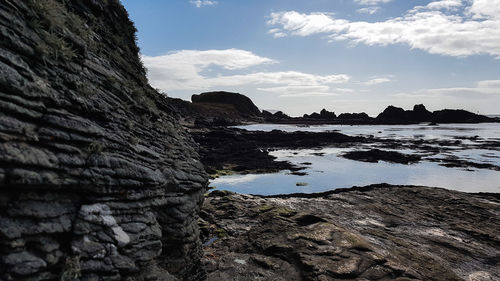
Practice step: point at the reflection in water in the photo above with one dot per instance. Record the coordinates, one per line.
(446, 131)
(329, 171)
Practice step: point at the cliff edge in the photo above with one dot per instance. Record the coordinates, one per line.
(97, 179)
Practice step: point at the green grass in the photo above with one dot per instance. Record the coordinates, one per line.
(51, 19)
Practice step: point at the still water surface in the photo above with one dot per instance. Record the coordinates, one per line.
(328, 171)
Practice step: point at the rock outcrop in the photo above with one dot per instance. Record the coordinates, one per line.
(273, 117)
(354, 116)
(452, 115)
(97, 179)
(397, 115)
(323, 114)
(378, 232)
(241, 103)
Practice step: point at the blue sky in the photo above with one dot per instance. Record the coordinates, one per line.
(345, 55)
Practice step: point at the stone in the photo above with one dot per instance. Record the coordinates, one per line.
(23, 263)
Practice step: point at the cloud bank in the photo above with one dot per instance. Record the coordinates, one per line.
(191, 70)
(450, 27)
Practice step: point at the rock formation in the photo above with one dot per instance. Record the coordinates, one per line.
(397, 115)
(241, 103)
(354, 116)
(323, 114)
(378, 232)
(97, 179)
(452, 115)
(273, 117)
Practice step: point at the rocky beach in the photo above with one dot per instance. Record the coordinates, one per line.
(378, 232)
(102, 177)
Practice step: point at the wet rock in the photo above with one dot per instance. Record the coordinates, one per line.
(375, 155)
(246, 151)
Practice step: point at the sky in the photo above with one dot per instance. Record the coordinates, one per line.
(302, 56)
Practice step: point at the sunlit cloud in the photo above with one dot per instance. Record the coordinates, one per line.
(187, 70)
(438, 28)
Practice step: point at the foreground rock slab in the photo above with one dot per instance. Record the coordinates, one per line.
(378, 232)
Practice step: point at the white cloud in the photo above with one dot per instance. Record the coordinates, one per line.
(306, 91)
(309, 94)
(276, 32)
(485, 9)
(201, 3)
(295, 23)
(444, 4)
(371, 2)
(482, 88)
(368, 10)
(378, 80)
(186, 70)
(489, 84)
(475, 30)
(485, 87)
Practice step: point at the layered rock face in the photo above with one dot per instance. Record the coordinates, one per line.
(97, 179)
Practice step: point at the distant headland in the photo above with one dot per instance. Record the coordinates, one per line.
(226, 108)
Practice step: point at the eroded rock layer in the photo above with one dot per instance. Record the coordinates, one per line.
(97, 179)
(378, 232)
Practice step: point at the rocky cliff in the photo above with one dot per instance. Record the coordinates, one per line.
(97, 179)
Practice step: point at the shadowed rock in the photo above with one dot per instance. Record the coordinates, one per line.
(241, 103)
(396, 115)
(97, 179)
(375, 155)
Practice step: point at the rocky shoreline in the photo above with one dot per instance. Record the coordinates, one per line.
(99, 180)
(378, 232)
(225, 150)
